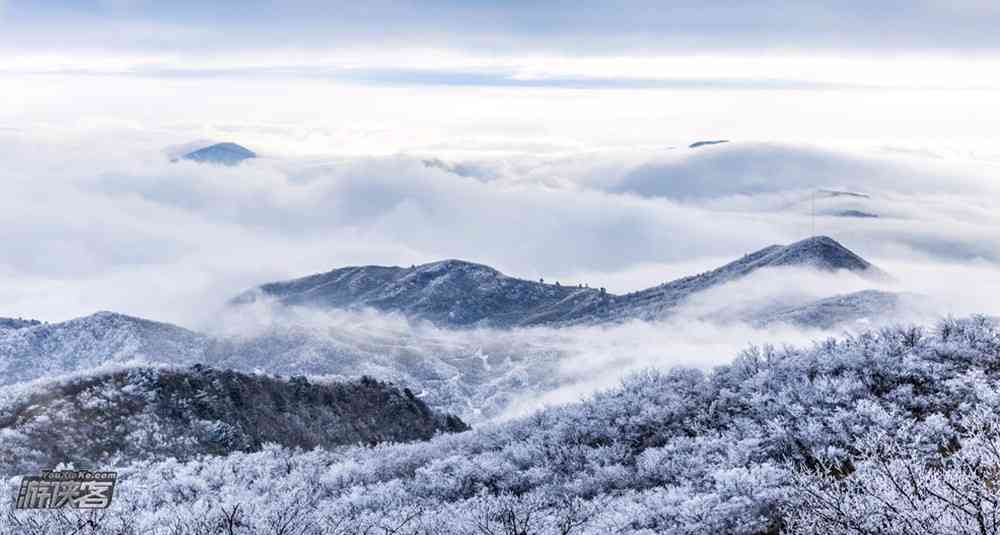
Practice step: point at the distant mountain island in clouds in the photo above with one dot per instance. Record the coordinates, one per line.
(855, 213)
(455, 293)
(697, 144)
(221, 153)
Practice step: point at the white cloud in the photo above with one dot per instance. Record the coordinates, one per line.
(112, 224)
(596, 28)
(94, 217)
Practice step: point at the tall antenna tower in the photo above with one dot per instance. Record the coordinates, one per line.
(813, 233)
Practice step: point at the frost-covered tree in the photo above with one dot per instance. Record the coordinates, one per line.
(889, 488)
(735, 450)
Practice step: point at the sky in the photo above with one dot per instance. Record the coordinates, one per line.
(314, 78)
(668, 45)
(558, 134)
(573, 28)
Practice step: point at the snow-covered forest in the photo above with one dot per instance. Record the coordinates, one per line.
(889, 431)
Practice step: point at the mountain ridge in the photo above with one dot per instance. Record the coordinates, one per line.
(458, 293)
(17, 323)
(450, 292)
(473, 377)
(825, 313)
(486, 371)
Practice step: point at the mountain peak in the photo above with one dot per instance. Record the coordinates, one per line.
(448, 292)
(453, 265)
(697, 144)
(817, 252)
(821, 252)
(227, 153)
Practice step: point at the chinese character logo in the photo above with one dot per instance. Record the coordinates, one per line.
(77, 489)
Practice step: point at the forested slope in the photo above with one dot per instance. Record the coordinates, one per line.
(114, 418)
(669, 452)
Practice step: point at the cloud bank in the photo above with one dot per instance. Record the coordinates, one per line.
(89, 227)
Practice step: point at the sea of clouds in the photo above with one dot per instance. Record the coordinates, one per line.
(577, 186)
(98, 225)
(133, 232)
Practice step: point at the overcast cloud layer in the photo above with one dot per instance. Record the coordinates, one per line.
(573, 27)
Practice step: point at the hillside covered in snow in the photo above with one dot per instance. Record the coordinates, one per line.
(120, 416)
(680, 451)
(481, 350)
(461, 294)
(475, 377)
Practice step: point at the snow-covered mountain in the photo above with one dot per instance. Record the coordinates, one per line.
(682, 451)
(45, 350)
(863, 306)
(820, 253)
(154, 413)
(850, 212)
(475, 373)
(221, 153)
(451, 292)
(697, 144)
(454, 293)
(474, 378)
